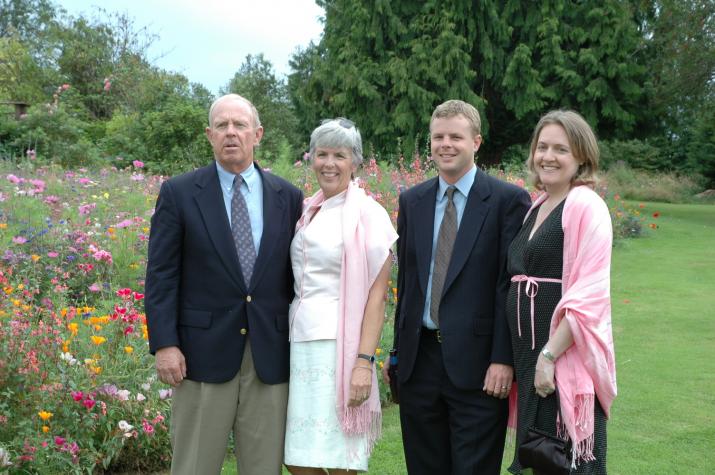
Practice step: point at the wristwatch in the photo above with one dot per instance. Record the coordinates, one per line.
(548, 355)
(370, 358)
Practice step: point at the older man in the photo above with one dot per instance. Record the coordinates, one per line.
(218, 287)
(451, 332)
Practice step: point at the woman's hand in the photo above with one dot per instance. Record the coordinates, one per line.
(360, 385)
(544, 376)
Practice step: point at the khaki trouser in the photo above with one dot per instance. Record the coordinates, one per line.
(203, 415)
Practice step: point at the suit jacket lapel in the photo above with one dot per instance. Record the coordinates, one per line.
(475, 212)
(273, 221)
(423, 229)
(209, 199)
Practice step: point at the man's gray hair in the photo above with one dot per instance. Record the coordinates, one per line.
(337, 133)
(235, 97)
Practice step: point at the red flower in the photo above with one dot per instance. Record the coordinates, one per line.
(656, 214)
(138, 296)
(89, 403)
(59, 440)
(77, 395)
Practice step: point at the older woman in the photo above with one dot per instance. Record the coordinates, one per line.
(558, 307)
(341, 264)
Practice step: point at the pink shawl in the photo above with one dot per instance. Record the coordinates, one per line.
(368, 236)
(588, 367)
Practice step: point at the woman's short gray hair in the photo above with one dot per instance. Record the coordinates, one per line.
(337, 133)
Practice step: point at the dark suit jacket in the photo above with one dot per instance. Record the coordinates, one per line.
(196, 297)
(473, 306)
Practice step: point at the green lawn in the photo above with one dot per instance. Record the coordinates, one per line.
(663, 289)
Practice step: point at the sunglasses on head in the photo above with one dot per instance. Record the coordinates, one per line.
(342, 121)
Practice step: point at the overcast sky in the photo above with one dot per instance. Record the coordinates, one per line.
(207, 40)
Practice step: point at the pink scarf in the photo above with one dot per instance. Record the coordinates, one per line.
(368, 236)
(588, 367)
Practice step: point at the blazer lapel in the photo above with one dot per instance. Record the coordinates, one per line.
(209, 199)
(475, 212)
(273, 221)
(423, 230)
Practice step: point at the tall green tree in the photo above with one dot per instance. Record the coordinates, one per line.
(257, 81)
(388, 63)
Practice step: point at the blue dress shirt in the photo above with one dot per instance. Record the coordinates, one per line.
(252, 191)
(463, 186)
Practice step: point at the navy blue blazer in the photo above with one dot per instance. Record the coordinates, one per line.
(473, 306)
(196, 297)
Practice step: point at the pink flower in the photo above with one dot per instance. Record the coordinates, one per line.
(14, 180)
(52, 254)
(89, 403)
(84, 181)
(138, 164)
(164, 394)
(148, 428)
(123, 394)
(95, 287)
(77, 395)
(123, 224)
(59, 440)
(19, 240)
(65, 87)
(129, 330)
(137, 177)
(51, 199)
(86, 209)
(141, 397)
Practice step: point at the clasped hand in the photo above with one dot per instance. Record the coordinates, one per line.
(544, 377)
(360, 385)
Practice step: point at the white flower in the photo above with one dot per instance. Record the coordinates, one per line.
(124, 426)
(4, 458)
(123, 394)
(68, 358)
(140, 397)
(146, 386)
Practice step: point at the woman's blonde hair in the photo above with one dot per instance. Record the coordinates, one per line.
(582, 142)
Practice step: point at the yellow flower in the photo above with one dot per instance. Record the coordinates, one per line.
(3, 225)
(98, 340)
(378, 351)
(20, 286)
(145, 229)
(381, 364)
(16, 302)
(128, 350)
(133, 266)
(96, 369)
(8, 290)
(73, 328)
(88, 361)
(35, 258)
(44, 415)
(106, 195)
(45, 429)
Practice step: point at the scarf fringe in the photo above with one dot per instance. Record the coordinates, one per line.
(581, 451)
(358, 421)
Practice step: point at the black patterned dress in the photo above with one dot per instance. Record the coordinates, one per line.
(541, 256)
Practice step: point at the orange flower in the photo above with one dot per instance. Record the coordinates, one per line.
(45, 429)
(3, 225)
(66, 346)
(128, 350)
(73, 328)
(96, 369)
(97, 340)
(35, 258)
(44, 415)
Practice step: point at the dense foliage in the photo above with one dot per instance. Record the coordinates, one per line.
(641, 71)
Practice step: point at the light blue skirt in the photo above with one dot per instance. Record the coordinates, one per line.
(314, 437)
